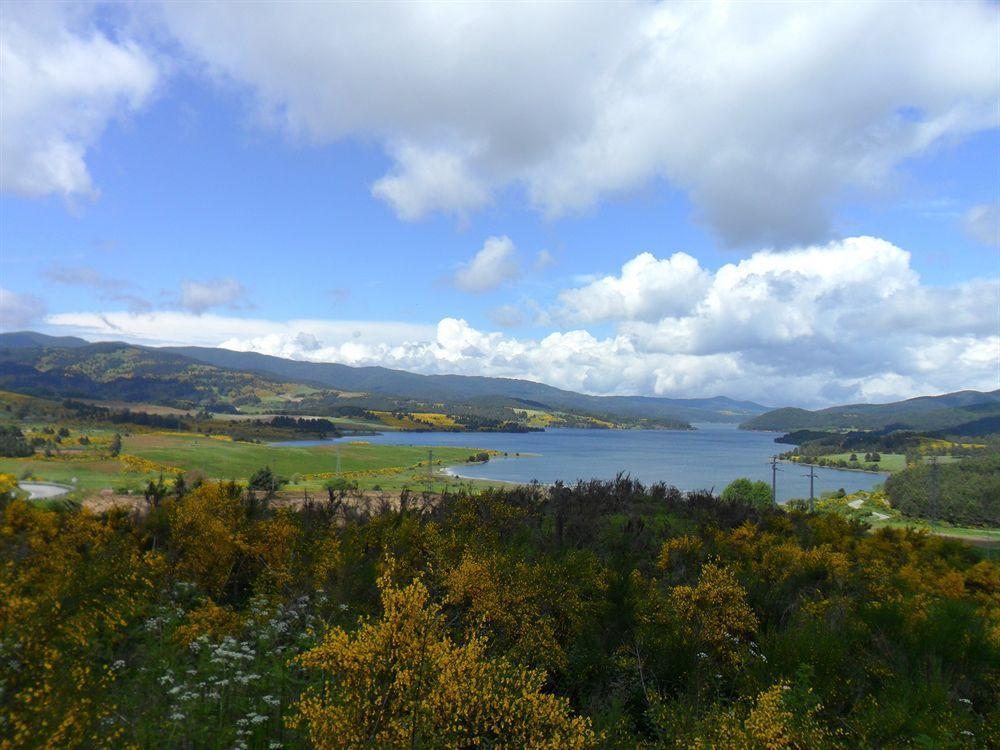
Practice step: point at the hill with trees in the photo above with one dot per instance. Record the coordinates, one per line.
(941, 413)
(34, 363)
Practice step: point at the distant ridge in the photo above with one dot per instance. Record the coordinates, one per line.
(391, 383)
(29, 339)
(385, 381)
(948, 410)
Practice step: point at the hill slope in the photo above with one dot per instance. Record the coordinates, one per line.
(128, 373)
(385, 382)
(922, 413)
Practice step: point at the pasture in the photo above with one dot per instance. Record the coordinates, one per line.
(145, 456)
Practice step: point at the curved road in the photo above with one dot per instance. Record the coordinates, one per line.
(43, 490)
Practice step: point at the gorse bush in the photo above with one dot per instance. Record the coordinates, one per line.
(602, 615)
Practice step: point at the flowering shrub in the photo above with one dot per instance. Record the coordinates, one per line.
(605, 614)
(427, 689)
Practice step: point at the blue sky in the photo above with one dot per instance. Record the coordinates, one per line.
(165, 182)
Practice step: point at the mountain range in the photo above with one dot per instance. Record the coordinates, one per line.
(42, 365)
(191, 376)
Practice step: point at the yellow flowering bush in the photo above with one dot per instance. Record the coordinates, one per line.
(715, 612)
(400, 680)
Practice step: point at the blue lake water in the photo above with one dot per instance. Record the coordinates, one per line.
(706, 458)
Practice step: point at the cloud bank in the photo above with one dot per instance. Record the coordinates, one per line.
(845, 321)
(762, 113)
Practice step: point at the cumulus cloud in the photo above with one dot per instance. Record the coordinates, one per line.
(63, 81)
(199, 296)
(982, 223)
(845, 321)
(427, 180)
(646, 289)
(764, 114)
(19, 310)
(494, 263)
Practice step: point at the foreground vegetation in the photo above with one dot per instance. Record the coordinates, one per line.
(603, 615)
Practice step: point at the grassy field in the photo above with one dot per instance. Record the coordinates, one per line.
(889, 461)
(384, 466)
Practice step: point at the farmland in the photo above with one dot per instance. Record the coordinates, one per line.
(146, 456)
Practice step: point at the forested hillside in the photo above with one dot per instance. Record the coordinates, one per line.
(924, 413)
(385, 383)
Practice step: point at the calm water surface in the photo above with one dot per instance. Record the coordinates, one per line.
(706, 458)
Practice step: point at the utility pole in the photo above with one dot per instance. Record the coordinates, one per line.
(774, 480)
(812, 493)
(430, 464)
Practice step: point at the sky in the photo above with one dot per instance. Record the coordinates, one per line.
(793, 203)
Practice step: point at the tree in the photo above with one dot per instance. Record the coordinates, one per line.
(747, 492)
(401, 681)
(116, 444)
(267, 482)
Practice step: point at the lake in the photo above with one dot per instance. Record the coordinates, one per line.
(706, 458)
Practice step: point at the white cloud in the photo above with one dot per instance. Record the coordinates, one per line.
(982, 223)
(493, 264)
(426, 181)
(19, 310)
(321, 339)
(817, 325)
(63, 81)
(647, 289)
(763, 113)
(198, 296)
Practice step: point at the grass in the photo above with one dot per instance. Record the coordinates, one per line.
(385, 466)
(986, 539)
(889, 461)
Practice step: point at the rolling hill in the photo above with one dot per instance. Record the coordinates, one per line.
(470, 388)
(942, 412)
(190, 376)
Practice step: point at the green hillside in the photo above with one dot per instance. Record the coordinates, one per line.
(924, 413)
(70, 364)
(127, 373)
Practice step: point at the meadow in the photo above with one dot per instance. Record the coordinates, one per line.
(145, 456)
